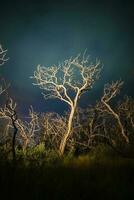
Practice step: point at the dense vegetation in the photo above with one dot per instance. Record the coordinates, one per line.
(100, 174)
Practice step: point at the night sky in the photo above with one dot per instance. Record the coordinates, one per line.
(46, 32)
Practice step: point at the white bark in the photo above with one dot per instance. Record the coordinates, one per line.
(110, 91)
(116, 116)
(76, 75)
(68, 133)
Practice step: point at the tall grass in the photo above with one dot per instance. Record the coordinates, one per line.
(44, 175)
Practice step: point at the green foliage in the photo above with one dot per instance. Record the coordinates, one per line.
(38, 155)
(67, 158)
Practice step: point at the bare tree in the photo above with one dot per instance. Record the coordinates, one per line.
(53, 127)
(110, 91)
(126, 111)
(3, 53)
(9, 112)
(67, 82)
(3, 59)
(3, 85)
(90, 128)
(28, 128)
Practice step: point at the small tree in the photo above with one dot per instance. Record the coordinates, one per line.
(67, 82)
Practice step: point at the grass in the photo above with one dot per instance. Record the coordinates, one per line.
(100, 174)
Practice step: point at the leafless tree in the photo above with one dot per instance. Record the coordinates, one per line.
(3, 59)
(9, 112)
(110, 91)
(3, 53)
(53, 128)
(75, 75)
(28, 129)
(90, 128)
(126, 111)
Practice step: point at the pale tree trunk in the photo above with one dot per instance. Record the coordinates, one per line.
(68, 133)
(69, 126)
(116, 116)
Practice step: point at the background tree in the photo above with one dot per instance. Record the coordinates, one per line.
(53, 126)
(3, 59)
(3, 53)
(125, 109)
(110, 91)
(9, 112)
(28, 129)
(67, 82)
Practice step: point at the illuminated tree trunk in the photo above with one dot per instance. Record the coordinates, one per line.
(68, 133)
(69, 126)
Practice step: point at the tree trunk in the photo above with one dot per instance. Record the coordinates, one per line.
(116, 116)
(67, 134)
(14, 140)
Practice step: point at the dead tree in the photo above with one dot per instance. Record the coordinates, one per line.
(3, 53)
(110, 91)
(3, 59)
(9, 112)
(75, 75)
(90, 128)
(27, 129)
(126, 111)
(3, 86)
(53, 127)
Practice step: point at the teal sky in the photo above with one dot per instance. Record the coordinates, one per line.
(46, 32)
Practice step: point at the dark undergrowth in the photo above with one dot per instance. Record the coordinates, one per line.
(99, 174)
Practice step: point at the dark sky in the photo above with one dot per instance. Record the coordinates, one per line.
(46, 32)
